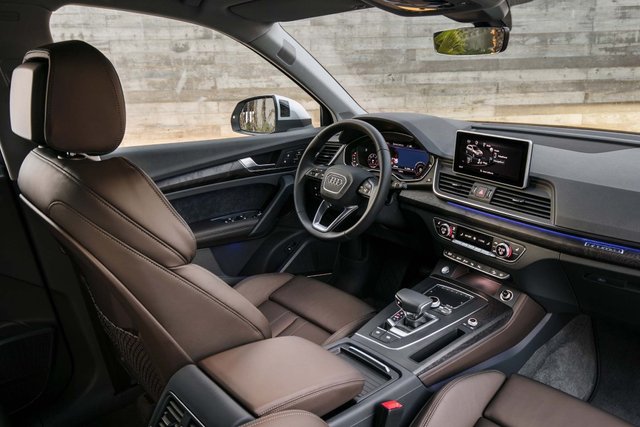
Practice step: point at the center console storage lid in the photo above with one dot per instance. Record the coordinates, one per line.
(284, 373)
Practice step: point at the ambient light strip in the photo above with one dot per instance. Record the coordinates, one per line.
(586, 242)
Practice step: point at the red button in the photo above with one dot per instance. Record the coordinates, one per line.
(481, 192)
(390, 405)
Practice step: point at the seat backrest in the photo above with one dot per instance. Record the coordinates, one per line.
(132, 248)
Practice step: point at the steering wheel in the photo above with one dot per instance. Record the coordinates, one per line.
(345, 190)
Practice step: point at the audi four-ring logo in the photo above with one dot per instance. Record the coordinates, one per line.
(334, 182)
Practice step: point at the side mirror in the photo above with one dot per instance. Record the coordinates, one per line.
(268, 114)
(471, 41)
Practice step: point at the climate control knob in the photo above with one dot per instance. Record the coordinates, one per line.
(504, 250)
(445, 230)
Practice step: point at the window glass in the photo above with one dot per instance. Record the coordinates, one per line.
(569, 62)
(181, 81)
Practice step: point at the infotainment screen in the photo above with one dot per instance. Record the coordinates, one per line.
(495, 158)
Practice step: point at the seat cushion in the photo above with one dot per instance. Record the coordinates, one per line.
(489, 399)
(283, 373)
(304, 307)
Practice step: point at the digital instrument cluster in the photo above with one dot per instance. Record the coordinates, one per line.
(409, 161)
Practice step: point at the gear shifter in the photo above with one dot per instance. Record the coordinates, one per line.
(414, 305)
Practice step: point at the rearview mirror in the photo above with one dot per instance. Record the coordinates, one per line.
(471, 41)
(268, 114)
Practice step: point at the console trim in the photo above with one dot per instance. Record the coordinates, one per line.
(456, 324)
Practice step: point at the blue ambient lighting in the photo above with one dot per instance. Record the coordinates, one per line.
(585, 242)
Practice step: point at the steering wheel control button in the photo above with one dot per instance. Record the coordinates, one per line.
(506, 295)
(472, 322)
(498, 274)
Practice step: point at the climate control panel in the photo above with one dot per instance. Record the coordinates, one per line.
(483, 243)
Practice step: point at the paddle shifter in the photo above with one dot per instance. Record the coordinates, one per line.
(414, 306)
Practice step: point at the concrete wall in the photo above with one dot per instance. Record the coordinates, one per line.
(571, 62)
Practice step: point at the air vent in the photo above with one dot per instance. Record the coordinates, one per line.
(454, 184)
(520, 201)
(175, 414)
(328, 153)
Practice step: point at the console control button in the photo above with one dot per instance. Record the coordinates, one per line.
(445, 230)
(444, 310)
(473, 322)
(377, 333)
(398, 316)
(506, 295)
(387, 338)
(435, 302)
(476, 265)
(504, 250)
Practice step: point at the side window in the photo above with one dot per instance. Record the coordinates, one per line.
(181, 81)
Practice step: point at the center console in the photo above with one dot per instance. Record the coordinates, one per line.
(454, 320)
(442, 326)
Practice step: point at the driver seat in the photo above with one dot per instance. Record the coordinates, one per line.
(132, 249)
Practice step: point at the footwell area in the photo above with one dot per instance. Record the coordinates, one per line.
(618, 387)
(567, 361)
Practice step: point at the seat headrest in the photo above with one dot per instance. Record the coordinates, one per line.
(68, 97)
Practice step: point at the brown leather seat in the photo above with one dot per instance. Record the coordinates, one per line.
(486, 399)
(133, 249)
(490, 399)
(325, 314)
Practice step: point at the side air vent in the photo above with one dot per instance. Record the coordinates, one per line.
(328, 153)
(454, 184)
(522, 202)
(175, 414)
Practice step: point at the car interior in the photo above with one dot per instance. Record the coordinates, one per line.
(298, 260)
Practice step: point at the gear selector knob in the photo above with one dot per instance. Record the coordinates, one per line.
(413, 303)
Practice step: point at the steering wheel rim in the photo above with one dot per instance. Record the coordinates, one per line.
(355, 178)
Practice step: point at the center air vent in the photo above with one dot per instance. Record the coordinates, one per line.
(454, 184)
(533, 203)
(175, 414)
(328, 153)
(522, 202)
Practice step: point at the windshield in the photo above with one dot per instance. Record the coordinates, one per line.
(569, 63)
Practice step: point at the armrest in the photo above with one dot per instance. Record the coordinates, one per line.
(284, 373)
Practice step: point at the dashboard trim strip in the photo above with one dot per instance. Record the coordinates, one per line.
(586, 241)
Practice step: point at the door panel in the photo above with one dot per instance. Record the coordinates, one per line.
(236, 195)
(166, 161)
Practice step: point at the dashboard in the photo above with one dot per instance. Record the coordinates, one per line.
(551, 210)
(409, 160)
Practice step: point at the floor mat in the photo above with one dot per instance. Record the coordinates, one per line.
(567, 361)
(618, 389)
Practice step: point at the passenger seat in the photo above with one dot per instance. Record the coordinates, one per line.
(486, 399)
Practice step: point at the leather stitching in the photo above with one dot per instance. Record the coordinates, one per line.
(163, 199)
(162, 269)
(298, 399)
(348, 327)
(100, 199)
(437, 400)
(277, 416)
